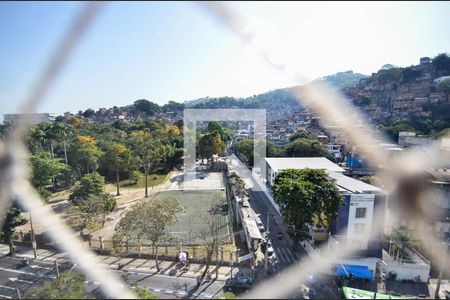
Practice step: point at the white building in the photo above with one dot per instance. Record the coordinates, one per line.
(334, 150)
(277, 164)
(439, 79)
(36, 118)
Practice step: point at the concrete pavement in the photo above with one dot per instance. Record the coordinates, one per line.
(171, 281)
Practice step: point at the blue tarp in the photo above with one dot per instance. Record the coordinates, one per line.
(356, 271)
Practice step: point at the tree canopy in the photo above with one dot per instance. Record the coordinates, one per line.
(149, 221)
(245, 149)
(306, 195)
(441, 62)
(118, 158)
(66, 286)
(302, 147)
(12, 219)
(92, 210)
(148, 107)
(210, 144)
(444, 86)
(90, 185)
(298, 134)
(45, 171)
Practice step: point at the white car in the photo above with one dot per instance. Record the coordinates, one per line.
(269, 248)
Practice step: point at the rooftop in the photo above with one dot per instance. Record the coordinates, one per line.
(346, 183)
(281, 163)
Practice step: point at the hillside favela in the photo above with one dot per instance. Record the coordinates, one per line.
(224, 150)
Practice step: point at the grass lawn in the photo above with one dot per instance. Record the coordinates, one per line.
(153, 179)
(191, 221)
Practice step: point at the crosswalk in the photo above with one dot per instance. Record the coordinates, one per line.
(284, 256)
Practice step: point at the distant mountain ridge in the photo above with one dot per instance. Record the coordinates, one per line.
(276, 101)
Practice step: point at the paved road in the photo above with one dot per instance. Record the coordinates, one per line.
(262, 206)
(25, 279)
(284, 252)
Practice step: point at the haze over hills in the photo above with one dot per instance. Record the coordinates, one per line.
(276, 100)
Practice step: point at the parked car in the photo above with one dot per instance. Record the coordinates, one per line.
(269, 248)
(267, 244)
(238, 282)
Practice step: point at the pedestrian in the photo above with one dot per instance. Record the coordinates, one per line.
(199, 281)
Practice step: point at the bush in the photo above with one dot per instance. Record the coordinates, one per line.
(444, 86)
(90, 185)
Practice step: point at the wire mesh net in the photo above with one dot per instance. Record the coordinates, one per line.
(400, 172)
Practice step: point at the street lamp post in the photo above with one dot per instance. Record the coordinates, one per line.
(33, 238)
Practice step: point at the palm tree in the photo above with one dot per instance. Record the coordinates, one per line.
(50, 136)
(62, 130)
(37, 138)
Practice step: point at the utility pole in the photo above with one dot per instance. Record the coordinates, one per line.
(441, 272)
(231, 265)
(56, 268)
(253, 267)
(267, 246)
(33, 239)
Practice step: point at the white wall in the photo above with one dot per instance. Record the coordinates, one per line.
(356, 201)
(408, 271)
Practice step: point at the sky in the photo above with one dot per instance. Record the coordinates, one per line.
(177, 51)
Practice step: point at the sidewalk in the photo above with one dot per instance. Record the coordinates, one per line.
(131, 265)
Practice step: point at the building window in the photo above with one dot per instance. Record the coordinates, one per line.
(360, 212)
(359, 228)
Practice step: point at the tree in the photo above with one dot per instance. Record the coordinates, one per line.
(50, 137)
(442, 63)
(444, 86)
(306, 195)
(210, 144)
(214, 127)
(245, 149)
(62, 130)
(305, 148)
(5, 128)
(66, 286)
(147, 220)
(393, 130)
(118, 158)
(400, 238)
(298, 134)
(210, 232)
(88, 113)
(148, 107)
(12, 219)
(85, 154)
(409, 74)
(93, 209)
(90, 185)
(148, 152)
(36, 139)
(391, 75)
(45, 171)
(143, 293)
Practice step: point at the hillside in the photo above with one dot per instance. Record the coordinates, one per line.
(343, 80)
(276, 102)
